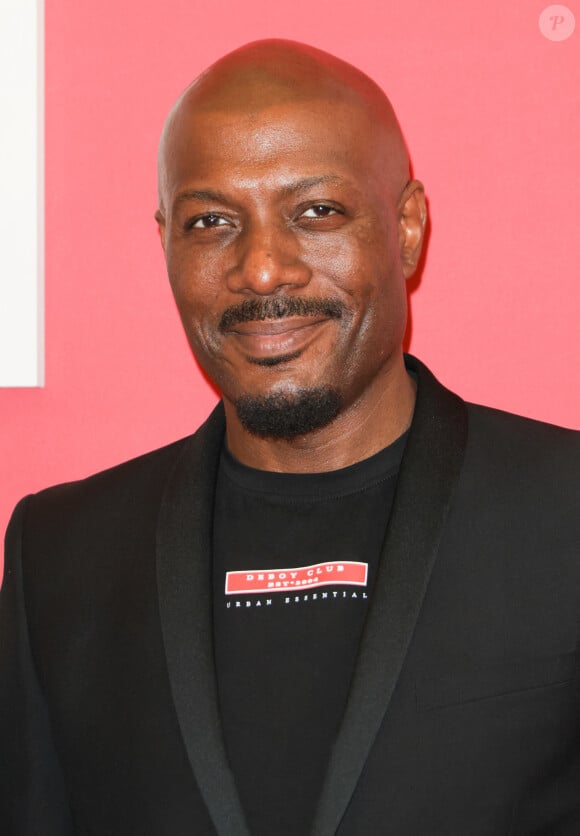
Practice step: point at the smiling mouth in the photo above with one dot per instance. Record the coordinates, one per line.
(272, 341)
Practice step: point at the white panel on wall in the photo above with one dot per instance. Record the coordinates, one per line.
(21, 193)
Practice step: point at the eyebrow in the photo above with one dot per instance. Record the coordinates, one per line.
(308, 182)
(301, 185)
(201, 194)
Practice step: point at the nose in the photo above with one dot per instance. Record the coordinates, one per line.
(267, 259)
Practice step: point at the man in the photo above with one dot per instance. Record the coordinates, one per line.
(349, 603)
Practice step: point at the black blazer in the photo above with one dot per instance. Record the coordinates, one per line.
(464, 713)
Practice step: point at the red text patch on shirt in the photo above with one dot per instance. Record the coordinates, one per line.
(334, 572)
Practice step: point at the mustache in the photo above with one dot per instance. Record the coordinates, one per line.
(257, 310)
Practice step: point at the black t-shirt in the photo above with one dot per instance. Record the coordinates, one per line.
(295, 558)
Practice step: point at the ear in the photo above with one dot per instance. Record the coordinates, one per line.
(412, 221)
(160, 218)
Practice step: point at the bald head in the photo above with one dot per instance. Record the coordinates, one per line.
(289, 226)
(275, 73)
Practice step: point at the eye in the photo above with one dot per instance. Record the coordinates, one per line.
(320, 210)
(209, 221)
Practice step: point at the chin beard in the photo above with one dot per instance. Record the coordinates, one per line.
(288, 416)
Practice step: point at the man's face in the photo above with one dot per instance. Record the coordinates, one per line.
(281, 240)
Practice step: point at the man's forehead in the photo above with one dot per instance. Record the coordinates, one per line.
(288, 78)
(284, 150)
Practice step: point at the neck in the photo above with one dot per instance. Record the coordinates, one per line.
(376, 419)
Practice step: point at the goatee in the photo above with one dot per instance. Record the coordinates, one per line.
(287, 416)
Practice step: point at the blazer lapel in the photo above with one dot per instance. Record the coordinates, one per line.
(184, 537)
(429, 471)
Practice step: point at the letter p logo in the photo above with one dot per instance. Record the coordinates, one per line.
(557, 23)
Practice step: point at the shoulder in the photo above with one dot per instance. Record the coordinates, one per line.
(125, 496)
(90, 526)
(138, 477)
(521, 476)
(496, 441)
(522, 442)
(85, 538)
(523, 472)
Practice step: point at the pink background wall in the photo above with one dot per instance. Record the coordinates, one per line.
(490, 109)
